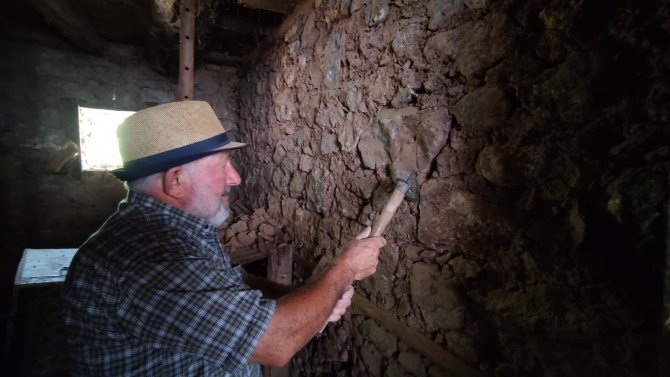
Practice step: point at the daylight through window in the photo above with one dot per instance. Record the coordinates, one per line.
(97, 138)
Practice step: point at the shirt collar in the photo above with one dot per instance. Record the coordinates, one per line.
(181, 218)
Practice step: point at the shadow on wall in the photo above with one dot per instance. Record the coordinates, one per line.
(44, 206)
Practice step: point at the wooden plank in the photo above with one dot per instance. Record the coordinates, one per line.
(431, 350)
(302, 9)
(280, 270)
(43, 266)
(277, 6)
(186, 49)
(280, 265)
(246, 255)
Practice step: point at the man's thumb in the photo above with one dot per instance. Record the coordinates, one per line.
(364, 234)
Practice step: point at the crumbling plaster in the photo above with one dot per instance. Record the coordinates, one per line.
(539, 135)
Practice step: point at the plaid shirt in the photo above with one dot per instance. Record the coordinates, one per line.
(152, 293)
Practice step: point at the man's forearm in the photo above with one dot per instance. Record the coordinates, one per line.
(300, 315)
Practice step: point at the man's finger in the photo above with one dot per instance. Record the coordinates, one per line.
(364, 234)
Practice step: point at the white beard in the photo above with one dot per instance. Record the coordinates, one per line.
(208, 207)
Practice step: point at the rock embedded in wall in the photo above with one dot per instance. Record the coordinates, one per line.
(483, 110)
(376, 12)
(412, 362)
(498, 166)
(474, 46)
(385, 342)
(372, 150)
(432, 135)
(440, 10)
(350, 132)
(404, 44)
(562, 93)
(435, 299)
(459, 156)
(399, 128)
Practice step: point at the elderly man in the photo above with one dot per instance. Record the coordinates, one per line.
(152, 292)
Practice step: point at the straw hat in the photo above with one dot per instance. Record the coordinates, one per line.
(161, 137)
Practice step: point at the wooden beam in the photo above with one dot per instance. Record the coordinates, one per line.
(280, 265)
(246, 255)
(426, 347)
(277, 6)
(280, 270)
(186, 49)
(303, 8)
(431, 350)
(71, 23)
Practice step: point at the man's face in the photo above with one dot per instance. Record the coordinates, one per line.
(211, 178)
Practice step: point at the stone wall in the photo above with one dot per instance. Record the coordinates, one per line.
(42, 81)
(539, 135)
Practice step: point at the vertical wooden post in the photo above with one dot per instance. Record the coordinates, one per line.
(186, 42)
(280, 270)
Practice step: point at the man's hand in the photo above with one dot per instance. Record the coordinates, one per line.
(300, 314)
(341, 305)
(361, 256)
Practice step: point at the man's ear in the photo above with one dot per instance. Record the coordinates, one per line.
(176, 182)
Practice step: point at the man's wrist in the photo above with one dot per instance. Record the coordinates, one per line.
(343, 273)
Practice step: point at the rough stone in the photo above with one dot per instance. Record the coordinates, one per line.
(386, 342)
(445, 215)
(433, 133)
(285, 108)
(402, 98)
(372, 151)
(376, 11)
(475, 46)
(279, 153)
(440, 10)
(306, 163)
(483, 110)
(364, 183)
(328, 144)
(400, 127)
(546, 96)
(348, 204)
(349, 134)
(413, 363)
(404, 42)
(464, 268)
(372, 360)
(296, 186)
(434, 299)
(498, 167)
(395, 370)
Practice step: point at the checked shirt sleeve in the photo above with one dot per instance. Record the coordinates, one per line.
(194, 305)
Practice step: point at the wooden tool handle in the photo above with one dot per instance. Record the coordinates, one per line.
(387, 213)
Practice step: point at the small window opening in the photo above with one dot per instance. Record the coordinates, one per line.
(98, 146)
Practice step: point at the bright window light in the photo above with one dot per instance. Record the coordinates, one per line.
(97, 138)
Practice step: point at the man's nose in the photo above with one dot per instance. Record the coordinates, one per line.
(233, 177)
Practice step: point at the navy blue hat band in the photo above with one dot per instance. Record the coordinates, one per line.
(159, 162)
